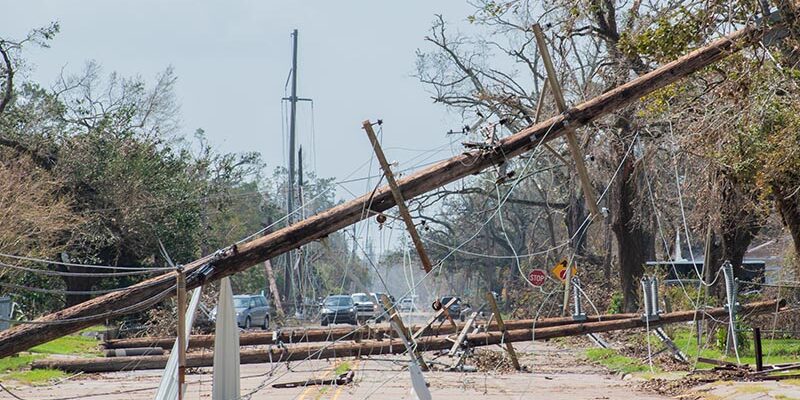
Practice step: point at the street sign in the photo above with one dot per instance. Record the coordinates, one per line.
(537, 277)
(560, 270)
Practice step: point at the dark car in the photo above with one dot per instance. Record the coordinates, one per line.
(251, 310)
(456, 310)
(338, 309)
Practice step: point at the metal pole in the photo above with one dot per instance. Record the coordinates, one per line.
(290, 181)
(300, 295)
(181, 284)
(757, 346)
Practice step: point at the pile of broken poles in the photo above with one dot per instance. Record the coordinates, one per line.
(367, 340)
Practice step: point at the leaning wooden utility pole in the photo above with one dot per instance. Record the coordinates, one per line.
(502, 328)
(398, 196)
(240, 257)
(569, 131)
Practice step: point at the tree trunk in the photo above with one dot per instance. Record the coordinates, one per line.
(634, 242)
(740, 221)
(273, 289)
(790, 215)
(576, 216)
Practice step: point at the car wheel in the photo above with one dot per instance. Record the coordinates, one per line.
(247, 323)
(462, 318)
(324, 322)
(266, 323)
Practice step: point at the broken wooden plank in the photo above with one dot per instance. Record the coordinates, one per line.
(240, 257)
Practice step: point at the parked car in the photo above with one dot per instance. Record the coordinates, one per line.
(366, 307)
(381, 309)
(338, 308)
(251, 310)
(456, 310)
(406, 304)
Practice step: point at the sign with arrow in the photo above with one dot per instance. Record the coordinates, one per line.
(560, 270)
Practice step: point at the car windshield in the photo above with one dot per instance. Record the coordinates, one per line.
(339, 301)
(241, 302)
(361, 298)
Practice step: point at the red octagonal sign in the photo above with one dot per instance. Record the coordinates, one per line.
(537, 277)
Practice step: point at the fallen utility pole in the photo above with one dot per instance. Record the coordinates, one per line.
(363, 332)
(237, 258)
(393, 346)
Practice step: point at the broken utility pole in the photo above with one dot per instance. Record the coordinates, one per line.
(363, 332)
(502, 327)
(398, 196)
(569, 131)
(393, 346)
(240, 257)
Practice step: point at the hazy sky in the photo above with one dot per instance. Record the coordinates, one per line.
(232, 59)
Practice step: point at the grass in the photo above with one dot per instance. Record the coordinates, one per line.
(16, 362)
(777, 351)
(342, 368)
(79, 345)
(17, 367)
(36, 376)
(616, 362)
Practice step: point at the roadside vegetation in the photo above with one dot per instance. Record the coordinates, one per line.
(18, 367)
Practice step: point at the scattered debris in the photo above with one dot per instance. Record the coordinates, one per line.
(489, 361)
(343, 379)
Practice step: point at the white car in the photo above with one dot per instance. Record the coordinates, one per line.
(406, 304)
(365, 307)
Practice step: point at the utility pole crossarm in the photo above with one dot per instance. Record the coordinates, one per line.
(398, 197)
(569, 131)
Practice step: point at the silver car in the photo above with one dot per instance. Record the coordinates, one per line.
(251, 310)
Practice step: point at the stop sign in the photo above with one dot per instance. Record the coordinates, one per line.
(537, 277)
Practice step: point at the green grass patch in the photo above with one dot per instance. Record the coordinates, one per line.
(776, 351)
(79, 345)
(17, 362)
(616, 362)
(342, 368)
(36, 376)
